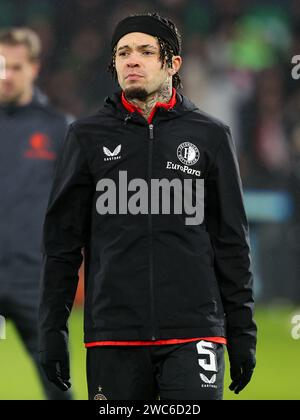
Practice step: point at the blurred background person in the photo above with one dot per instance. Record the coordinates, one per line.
(31, 132)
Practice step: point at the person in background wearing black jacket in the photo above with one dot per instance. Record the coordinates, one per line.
(30, 140)
(164, 293)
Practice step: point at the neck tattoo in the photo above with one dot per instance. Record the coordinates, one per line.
(164, 95)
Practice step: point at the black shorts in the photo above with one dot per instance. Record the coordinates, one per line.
(188, 371)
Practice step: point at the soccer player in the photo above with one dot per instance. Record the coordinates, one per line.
(30, 139)
(164, 292)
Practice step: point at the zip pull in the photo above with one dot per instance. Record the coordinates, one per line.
(151, 131)
(127, 118)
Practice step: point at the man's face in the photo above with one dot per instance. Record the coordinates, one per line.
(137, 64)
(20, 73)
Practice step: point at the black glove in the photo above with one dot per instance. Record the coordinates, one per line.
(55, 361)
(241, 370)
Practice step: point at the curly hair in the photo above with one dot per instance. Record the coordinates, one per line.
(165, 51)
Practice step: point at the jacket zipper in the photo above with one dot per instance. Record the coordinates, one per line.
(151, 138)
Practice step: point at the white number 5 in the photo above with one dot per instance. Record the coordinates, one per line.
(210, 361)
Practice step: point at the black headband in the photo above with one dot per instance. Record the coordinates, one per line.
(149, 25)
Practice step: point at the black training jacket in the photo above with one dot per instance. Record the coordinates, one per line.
(148, 276)
(30, 140)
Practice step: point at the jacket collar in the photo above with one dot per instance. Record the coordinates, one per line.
(114, 107)
(39, 99)
(133, 108)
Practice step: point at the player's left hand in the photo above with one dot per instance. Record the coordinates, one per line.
(241, 371)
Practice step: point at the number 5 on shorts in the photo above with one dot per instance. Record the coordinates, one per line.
(209, 362)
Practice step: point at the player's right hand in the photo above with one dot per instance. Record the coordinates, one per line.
(57, 369)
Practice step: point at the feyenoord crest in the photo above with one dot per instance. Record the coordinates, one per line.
(188, 153)
(100, 397)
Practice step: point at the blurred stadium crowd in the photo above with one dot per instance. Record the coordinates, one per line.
(236, 65)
